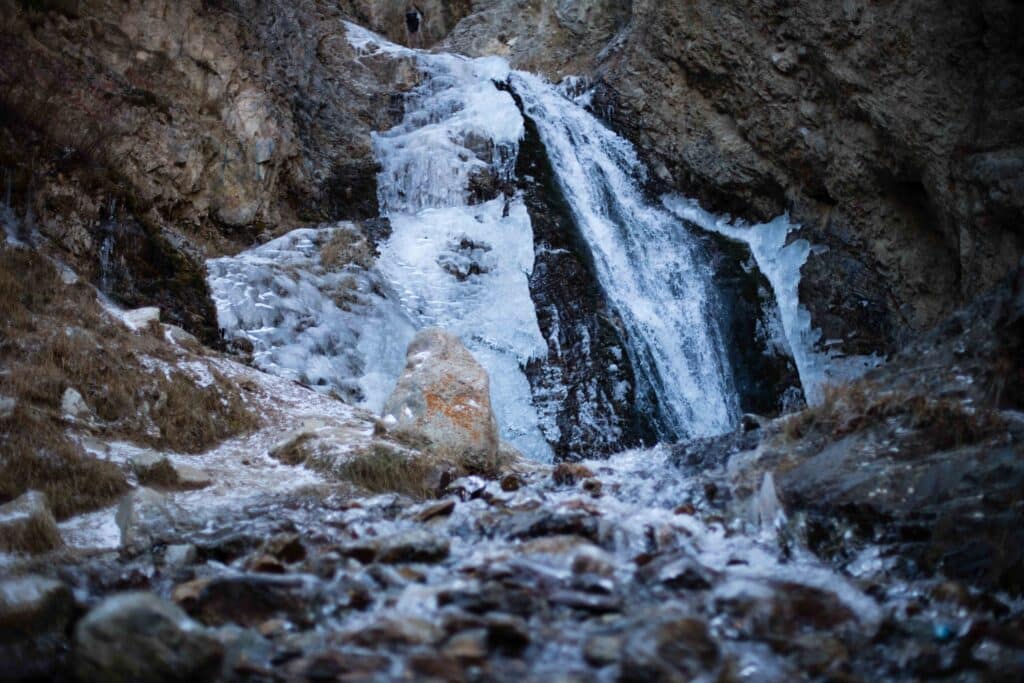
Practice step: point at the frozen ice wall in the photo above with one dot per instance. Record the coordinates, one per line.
(454, 264)
(781, 263)
(653, 272)
(333, 328)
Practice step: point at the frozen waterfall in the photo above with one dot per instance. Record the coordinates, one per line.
(461, 251)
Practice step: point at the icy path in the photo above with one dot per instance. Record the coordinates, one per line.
(240, 469)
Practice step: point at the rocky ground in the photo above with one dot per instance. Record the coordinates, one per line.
(173, 514)
(847, 542)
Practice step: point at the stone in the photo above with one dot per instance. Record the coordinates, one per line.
(27, 525)
(192, 477)
(34, 616)
(443, 394)
(141, 318)
(568, 474)
(249, 599)
(7, 405)
(144, 516)
(139, 638)
(671, 650)
(157, 470)
(431, 511)
(602, 650)
(412, 546)
(180, 555)
(73, 406)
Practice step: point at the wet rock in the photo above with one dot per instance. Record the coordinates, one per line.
(27, 525)
(468, 646)
(444, 395)
(34, 616)
(180, 555)
(248, 599)
(412, 546)
(511, 483)
(568, 474)
(602, 650)
(586, 601)
(394, 631)
(137, 638)
(417, 545)
(144, 516)
(669, 650)
(285, 546)
(436, 510)
(549, 523)
(677, 570)
(507, 633)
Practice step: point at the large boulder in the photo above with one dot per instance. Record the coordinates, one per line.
(444, 397)
(27, 525)
(140, 638)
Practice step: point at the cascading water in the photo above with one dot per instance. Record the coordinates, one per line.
(646, 261)
(461, 253)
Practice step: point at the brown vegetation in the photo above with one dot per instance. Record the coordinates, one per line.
(940, 423)
(380, 468)
(54, 336)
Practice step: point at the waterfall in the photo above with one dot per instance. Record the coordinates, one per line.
(647, 262)
(461, 252)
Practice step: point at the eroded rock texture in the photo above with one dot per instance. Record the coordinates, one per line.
(141, 138)
(893, 132)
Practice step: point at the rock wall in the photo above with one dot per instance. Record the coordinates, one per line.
(893, 132)
(205, 125)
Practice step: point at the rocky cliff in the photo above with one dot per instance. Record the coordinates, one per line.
(891, 131)
(139, 138)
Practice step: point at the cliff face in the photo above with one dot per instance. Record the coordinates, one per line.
(893, 132)
(170, 131)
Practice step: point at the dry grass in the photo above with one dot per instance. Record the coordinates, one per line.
(35, 453)
(384, 468)
(346, 246)
(939, 424)
(55, 336)
(33, 534)
(380, 469)
(161, 475)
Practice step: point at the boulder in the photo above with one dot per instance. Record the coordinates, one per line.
(156, 469)
(142, 515)
(73, 406)
(27, 525)
(138, 637)
(34, 616)
(444, 396)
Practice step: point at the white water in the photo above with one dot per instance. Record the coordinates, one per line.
(650, 267)
(781, 263)
(466, 267)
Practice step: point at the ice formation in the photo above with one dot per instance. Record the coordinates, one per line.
(652, 270)
(781, 261)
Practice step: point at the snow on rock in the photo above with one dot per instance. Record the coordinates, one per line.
(781, 260)
(239, 469)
